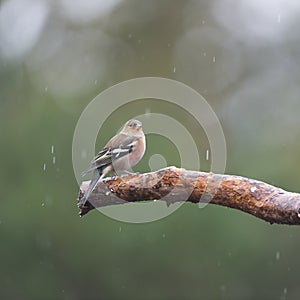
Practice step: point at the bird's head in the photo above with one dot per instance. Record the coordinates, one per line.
(133, 126)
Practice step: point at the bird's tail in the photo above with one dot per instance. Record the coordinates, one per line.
(90, 169)
(97, 175)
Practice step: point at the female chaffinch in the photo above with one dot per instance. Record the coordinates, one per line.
(122, 152)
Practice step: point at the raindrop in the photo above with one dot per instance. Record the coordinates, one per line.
(96, 81)
(174, 69)
(53, 160)
(43, 204)
(277, 255)
(253, 189)
(46, 89)
(120, 229)
(52, 149)
(107, 193)
(207, 155)
(214, 59)
(44, 167)
(164, 235)
(278, 18)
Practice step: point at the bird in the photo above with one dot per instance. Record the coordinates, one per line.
(122, 152)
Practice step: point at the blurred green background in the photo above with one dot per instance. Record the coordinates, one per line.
(56, 56)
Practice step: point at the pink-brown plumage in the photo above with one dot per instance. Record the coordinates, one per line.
(121, 153)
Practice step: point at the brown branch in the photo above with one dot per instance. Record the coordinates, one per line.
(172, 185)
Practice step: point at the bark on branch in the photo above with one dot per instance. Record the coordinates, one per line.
(172, 185)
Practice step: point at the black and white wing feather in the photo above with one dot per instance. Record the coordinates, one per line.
(112, 152)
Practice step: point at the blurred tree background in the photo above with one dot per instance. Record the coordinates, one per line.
(55, 57)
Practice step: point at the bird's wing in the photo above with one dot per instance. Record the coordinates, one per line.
(121, 140)
(117, 147)
(94, 165)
